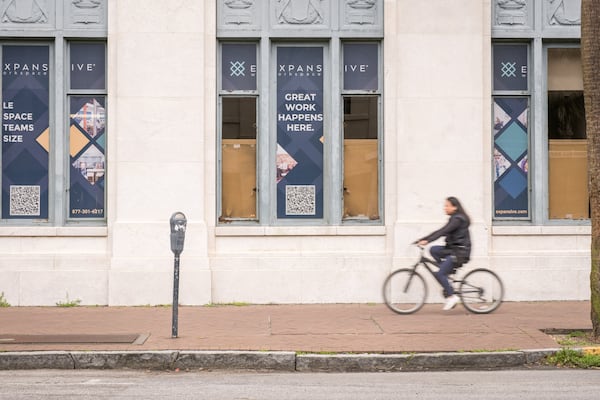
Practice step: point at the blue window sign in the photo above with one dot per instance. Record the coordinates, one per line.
(88, 66)
(361, 66)
(25, 132)
(511, 158)
(510, 67)
(299, 132)
(87, 143)
(238, 67)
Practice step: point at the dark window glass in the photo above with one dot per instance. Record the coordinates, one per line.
(238, 158)
(88, 66)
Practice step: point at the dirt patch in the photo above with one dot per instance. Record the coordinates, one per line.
(573, 337)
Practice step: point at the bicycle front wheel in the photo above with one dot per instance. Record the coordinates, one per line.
(481, 291)
(404, 291)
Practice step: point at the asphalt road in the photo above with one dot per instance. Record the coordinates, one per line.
(549, 384)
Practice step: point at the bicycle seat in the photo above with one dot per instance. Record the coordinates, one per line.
(456, 264)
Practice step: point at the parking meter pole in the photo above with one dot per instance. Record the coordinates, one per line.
(178, 226)
(174, 325)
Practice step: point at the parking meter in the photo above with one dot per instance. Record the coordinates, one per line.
(178, 225)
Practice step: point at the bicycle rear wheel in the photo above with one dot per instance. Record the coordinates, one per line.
(481, 291)
(404, 291)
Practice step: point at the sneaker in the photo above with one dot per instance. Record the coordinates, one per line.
(451, 302)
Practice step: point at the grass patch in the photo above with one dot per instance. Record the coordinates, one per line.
(574, 359)
(577, 338)
(234, 304)
(487, 351)
(3, 302)
(68, 303)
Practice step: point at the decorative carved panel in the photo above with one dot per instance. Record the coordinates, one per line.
(24, 12)
(563, 12)
(301, 12)
(299, 18)
(86, 12)
(238, 14)
(511, 13)
(361, 12)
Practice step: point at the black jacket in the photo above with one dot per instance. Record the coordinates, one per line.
(457, 236)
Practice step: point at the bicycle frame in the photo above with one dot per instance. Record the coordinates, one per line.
(428, 263)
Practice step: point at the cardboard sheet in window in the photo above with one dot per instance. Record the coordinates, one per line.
(568, 179)
(360, 179)
(238, 178)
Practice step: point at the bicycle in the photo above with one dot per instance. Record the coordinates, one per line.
(480, 290)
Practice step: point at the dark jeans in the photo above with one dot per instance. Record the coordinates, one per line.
(446, 263)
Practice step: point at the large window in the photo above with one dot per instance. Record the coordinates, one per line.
(361, 132)
(238, 132)
(510, 129)
(558, 188)
(36, 148)
(87, 131)
(567, 145)
(25, 132)
(299, 134)
(538, 125)
(291, 150)
(238, 158)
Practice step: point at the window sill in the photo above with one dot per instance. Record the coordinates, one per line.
(541, 230)
(300, 231)
(55, 231)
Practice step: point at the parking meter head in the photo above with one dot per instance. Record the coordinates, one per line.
(178, 226)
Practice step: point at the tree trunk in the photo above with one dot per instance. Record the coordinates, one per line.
(590, 53)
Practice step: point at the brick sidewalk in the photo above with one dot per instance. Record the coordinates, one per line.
(355, 328)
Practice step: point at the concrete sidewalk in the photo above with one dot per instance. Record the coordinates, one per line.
(328, 337)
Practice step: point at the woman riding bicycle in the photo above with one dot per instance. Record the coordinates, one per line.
(456, 251)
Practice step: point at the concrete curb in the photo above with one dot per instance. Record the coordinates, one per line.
(237, 360)
(36, 360)
(418, 361)
(269, 361)
(124, 359)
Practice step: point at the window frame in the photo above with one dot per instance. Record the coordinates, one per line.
(334, 94)
(510, 94)
(68, 94)
(538, 158)
(54, 105)
(219, 137)
(58, 122)
(536, 29)
(329, 183)
(545, 209)
(378, 93)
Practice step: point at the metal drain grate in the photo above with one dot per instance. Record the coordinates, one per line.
(131, 338)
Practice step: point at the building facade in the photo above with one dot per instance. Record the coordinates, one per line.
(308, 142)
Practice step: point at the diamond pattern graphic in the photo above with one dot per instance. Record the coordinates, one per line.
(500, 117)
(285, 163)
(77, 141)
(513, 141)
(510, 159)
(513, 182)
(91, 117)
(44, 139)
(26, 165)
(91, 165)
(101, 141)
(523, 118)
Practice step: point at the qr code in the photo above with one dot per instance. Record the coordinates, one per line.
(24, 200)
(300, 200)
